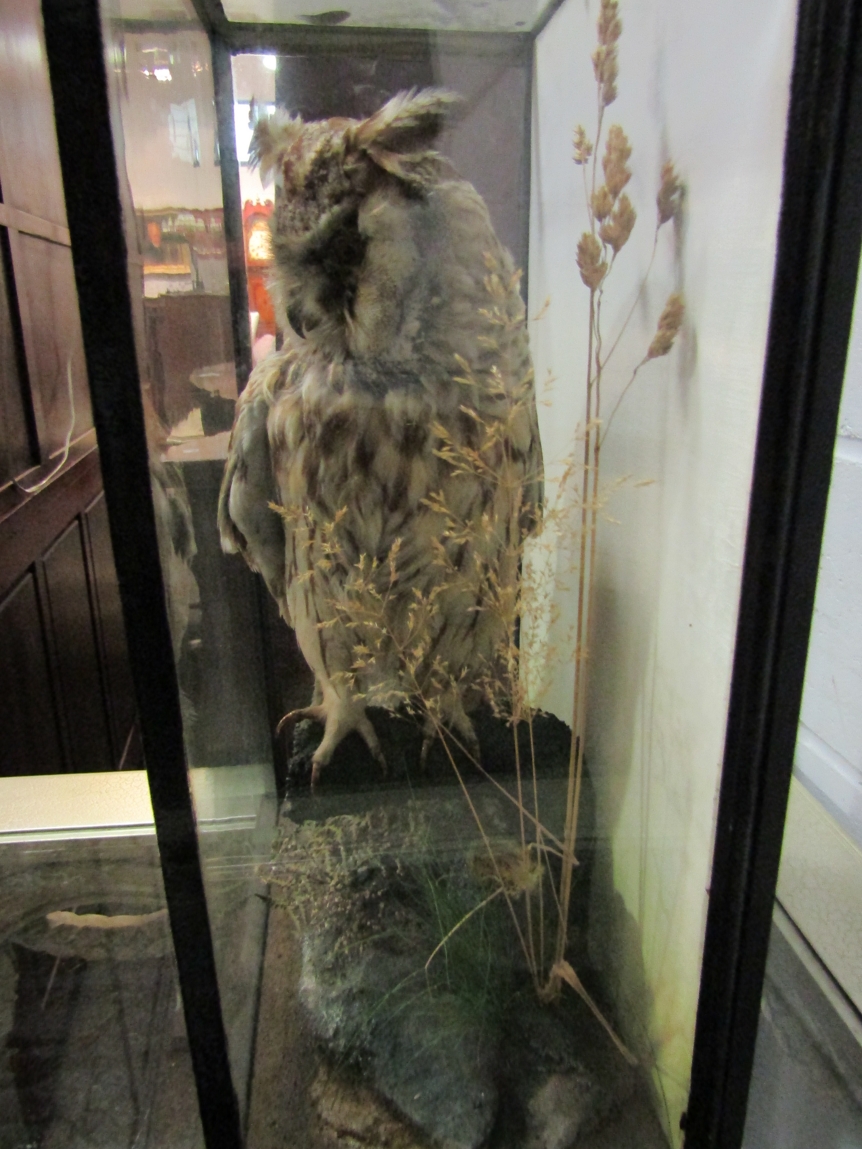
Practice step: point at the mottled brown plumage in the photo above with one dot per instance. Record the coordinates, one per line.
(411, 353)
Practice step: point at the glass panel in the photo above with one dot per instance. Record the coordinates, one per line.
(499, 939)
(829, 748)
(493, 467)
(807, 1085)
(806, 1088)
(671, 482)
(166, 137)
(91, 1027)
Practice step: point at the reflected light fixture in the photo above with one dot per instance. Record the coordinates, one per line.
(157, 62)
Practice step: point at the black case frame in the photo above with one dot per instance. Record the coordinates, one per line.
(819, 236)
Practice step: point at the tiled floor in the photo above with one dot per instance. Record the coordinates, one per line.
(806, 1092)
(94, 1052)
(99, 1031)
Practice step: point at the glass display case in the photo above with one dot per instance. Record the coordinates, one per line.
(93, 1034)
(465, 377)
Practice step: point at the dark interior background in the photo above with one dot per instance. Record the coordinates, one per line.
(487, 139)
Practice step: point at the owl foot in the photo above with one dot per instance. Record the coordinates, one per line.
(338, 719)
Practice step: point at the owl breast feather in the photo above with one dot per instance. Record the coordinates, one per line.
(353, 422)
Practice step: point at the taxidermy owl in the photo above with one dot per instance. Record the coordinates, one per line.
(385, 465)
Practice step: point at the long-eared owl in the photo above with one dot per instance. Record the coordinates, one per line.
(385, 465)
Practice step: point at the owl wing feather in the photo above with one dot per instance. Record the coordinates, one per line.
(247, 522)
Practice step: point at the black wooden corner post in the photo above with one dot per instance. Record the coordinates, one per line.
(812, 305)
(233, 225)
(81, 104)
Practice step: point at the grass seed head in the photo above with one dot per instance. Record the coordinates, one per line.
(616, 230)
(602, 203)
(670, 193)
(590, 263)
(669, 324)
(605, 61)
(609, 26)
(606, 71)
(616, 160)
(583, 145)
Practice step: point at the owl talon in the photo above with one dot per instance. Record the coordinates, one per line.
(427, 743)
(466, 734)
(314, 713)
(316, 767)
(473, 750)
(369, 736)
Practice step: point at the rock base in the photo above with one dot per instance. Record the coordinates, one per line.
(449, 1041)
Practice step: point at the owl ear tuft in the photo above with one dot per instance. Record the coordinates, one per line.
(397, 136)
(271, 140)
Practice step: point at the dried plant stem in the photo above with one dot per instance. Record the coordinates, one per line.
(622, 396)
(527, 900)
(514, 690)
(578, 703)
(601, 107)
(591, 568)
(611, 218)
(441, 734)
(539, 844)
(540, 828)
(564, 972)
(485, 902)
(633, 307)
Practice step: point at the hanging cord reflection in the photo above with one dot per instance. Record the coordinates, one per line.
(40, 486)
